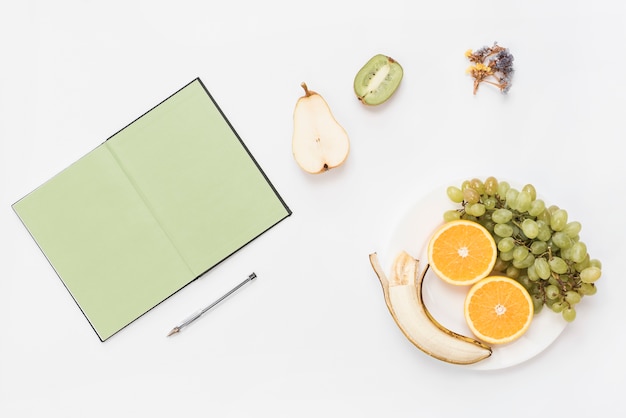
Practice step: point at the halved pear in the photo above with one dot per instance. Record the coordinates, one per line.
(319, 142)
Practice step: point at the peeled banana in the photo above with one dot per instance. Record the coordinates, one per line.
(403, 296)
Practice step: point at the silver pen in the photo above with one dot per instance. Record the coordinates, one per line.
(201, 312)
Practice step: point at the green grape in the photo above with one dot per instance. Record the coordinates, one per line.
(536, 207)
(545, 216)
(501, 265)
(587, 289)
(506, 255)
(503, 230)
(550, 302)
(552, 292)
(595, 263)
(523, 201)
(465, 184)
(470, 195)
(501, 216)
(562, 240)
(558, 265)
(477, 185)
(558, 306)
(569, 314)
(451, 215)
(583, 264)
(590, 274)
(532, 273)
(572, 229)
(475, 209)
(526, 262)
(511, 198)
(558, 220)
(530, 228)
(454, 194)
(491, 186)
(538, 247)
(490, 203)
(525, 281)
(578, 252)
(572, 297)
(503, 188)
(542, 268)
(531, 190)
(513, 272)
(506, 244)
(520, 252)
(566, 253)
(545, 233)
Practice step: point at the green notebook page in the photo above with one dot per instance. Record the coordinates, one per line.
(152, 208)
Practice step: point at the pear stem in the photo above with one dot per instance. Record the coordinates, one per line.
(307, 93)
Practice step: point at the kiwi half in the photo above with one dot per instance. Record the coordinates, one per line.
(377, 80)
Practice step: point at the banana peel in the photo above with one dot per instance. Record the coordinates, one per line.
(403, 296)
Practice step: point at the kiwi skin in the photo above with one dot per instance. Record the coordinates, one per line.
(377, 80)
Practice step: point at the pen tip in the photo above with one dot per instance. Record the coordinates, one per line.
(173, 331)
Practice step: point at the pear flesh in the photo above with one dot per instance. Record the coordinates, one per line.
(319, 142)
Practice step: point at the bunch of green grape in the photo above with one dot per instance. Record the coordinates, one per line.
(537, 245)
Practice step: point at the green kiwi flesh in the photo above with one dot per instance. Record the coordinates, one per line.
(377, 80)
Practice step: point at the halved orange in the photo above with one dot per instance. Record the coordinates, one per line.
(498, 310)
(462, 252)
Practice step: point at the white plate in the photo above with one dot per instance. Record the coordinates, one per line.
(445, 301)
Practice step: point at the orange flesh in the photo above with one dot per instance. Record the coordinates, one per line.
(498, 310)
(462, 253)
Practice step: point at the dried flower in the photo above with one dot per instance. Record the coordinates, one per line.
(492, 65)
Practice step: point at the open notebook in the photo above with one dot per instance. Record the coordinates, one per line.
(152, 208)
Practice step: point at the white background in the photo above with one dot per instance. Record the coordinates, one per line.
(312, 336)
